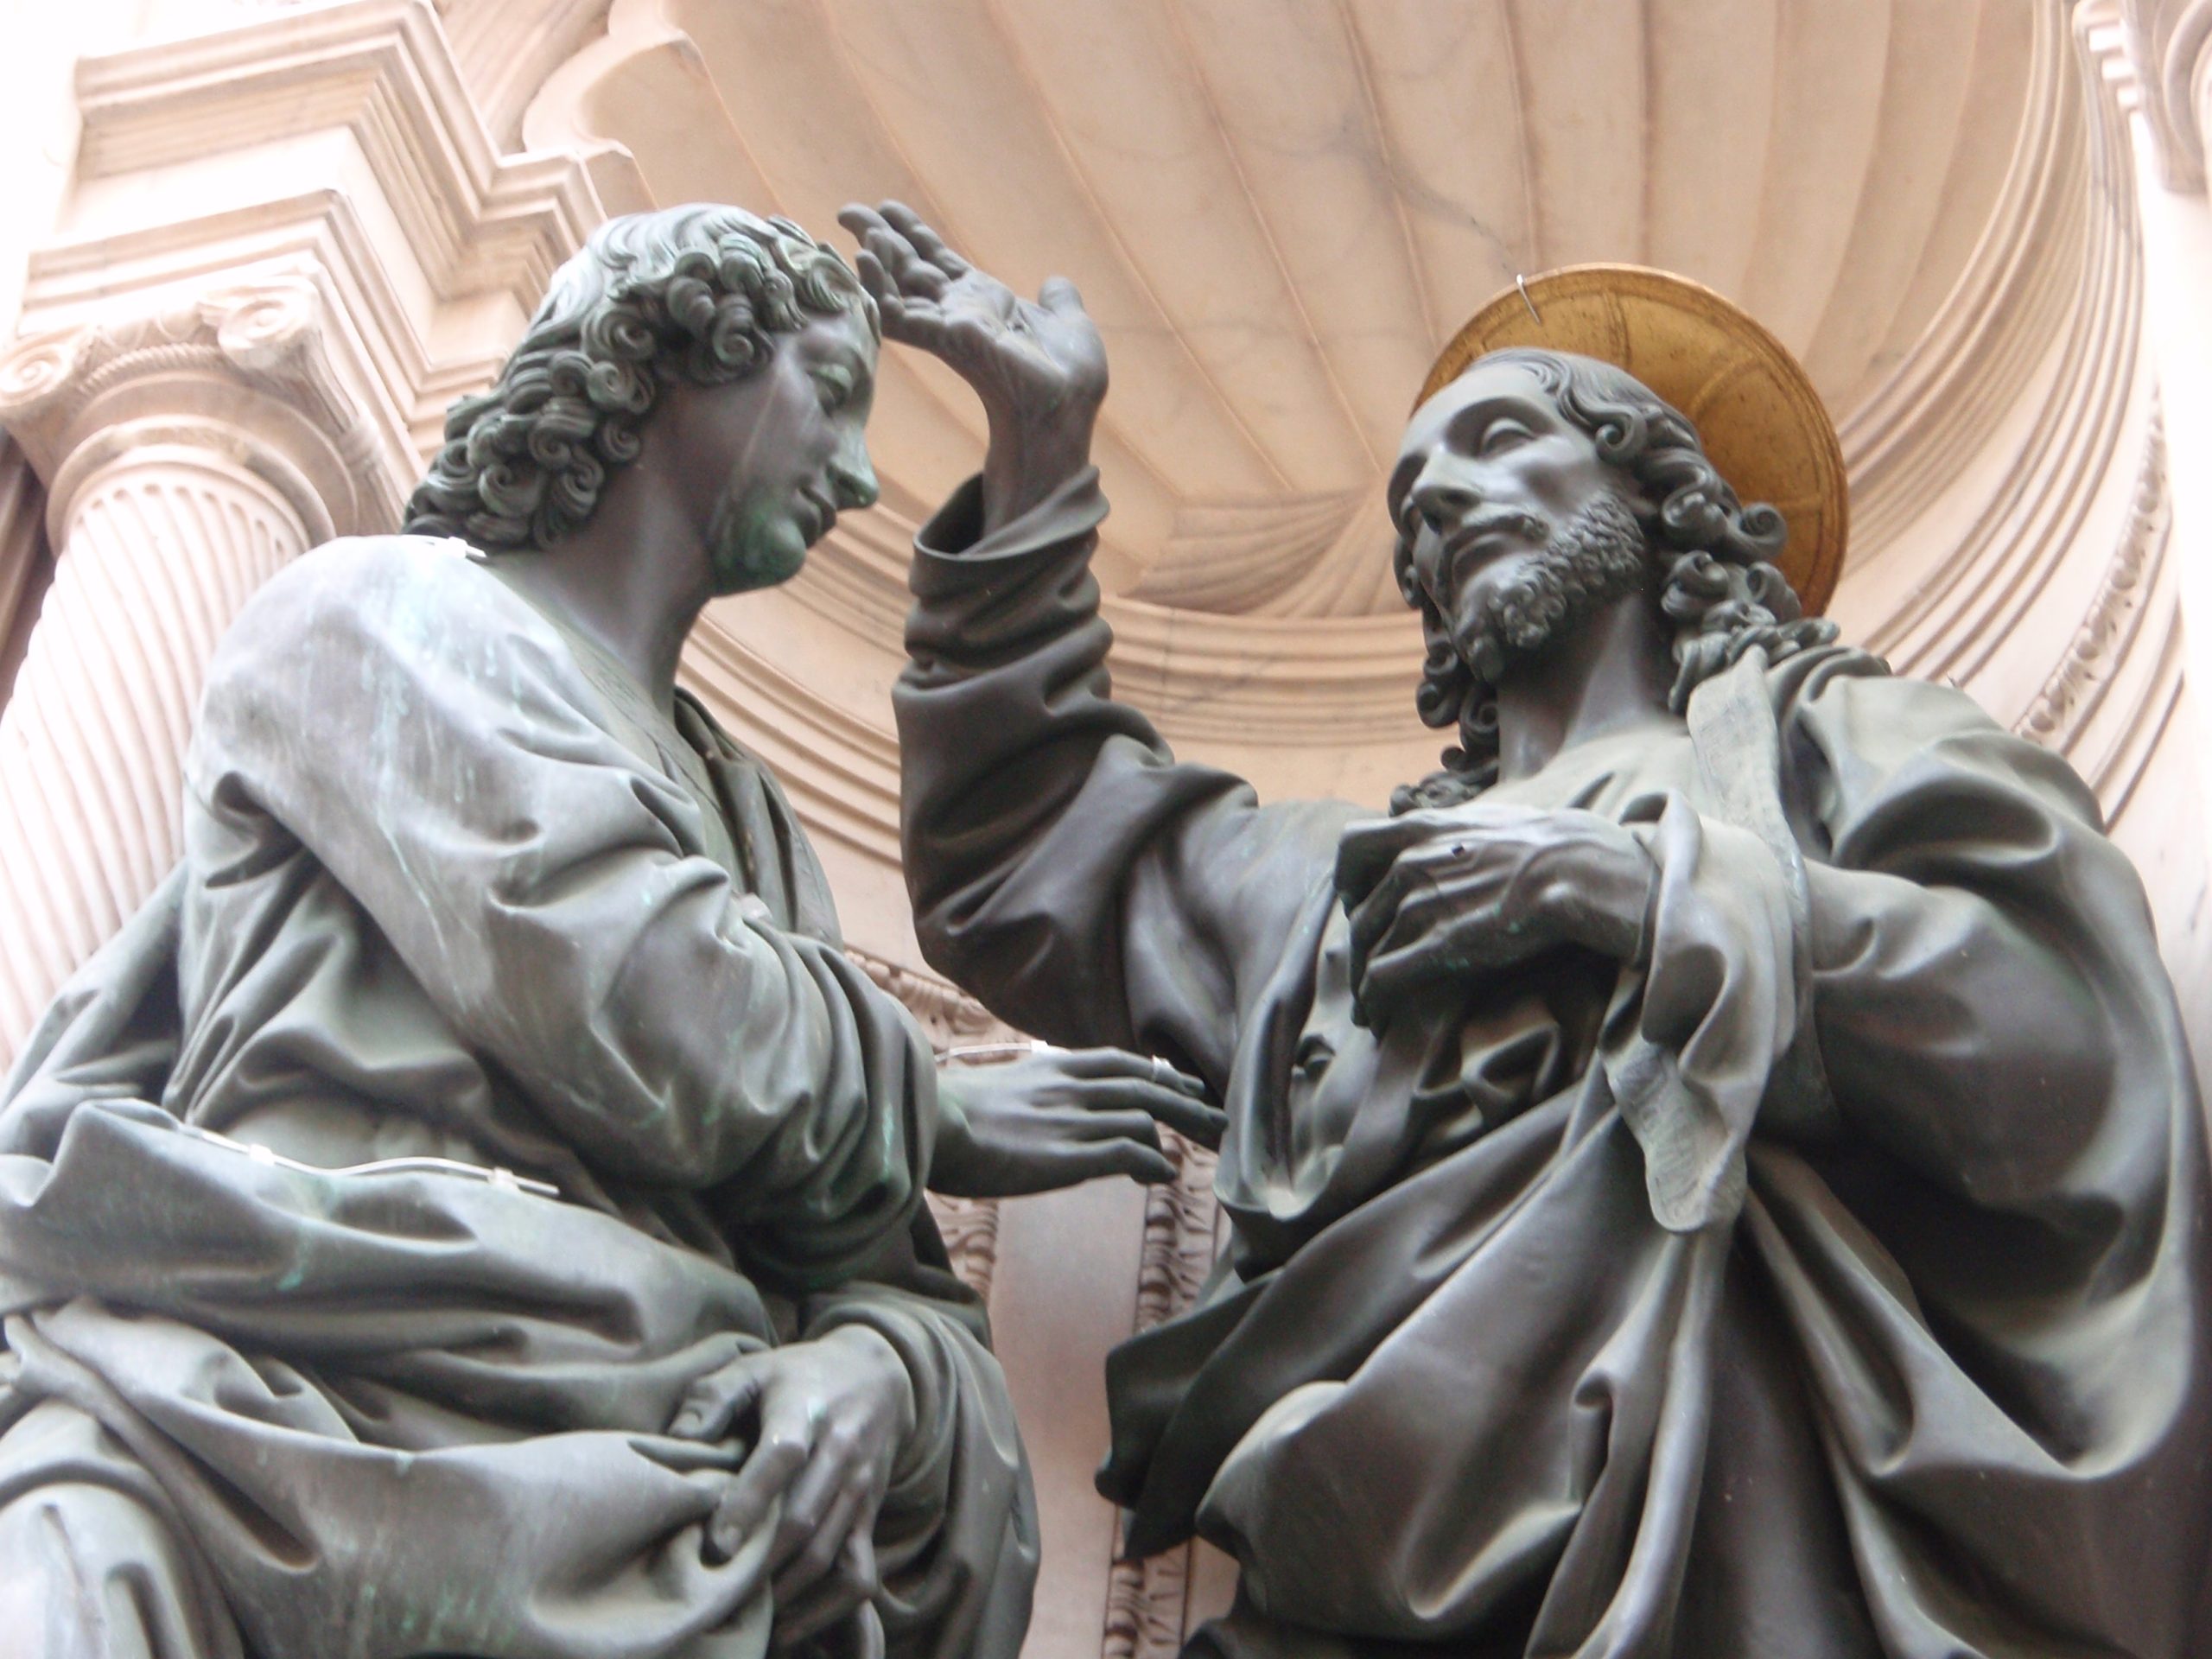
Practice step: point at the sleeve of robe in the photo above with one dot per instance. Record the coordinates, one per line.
(427, 737)
(1064, 866)
(1998, 1274)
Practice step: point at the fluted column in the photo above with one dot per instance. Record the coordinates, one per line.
(189, 455)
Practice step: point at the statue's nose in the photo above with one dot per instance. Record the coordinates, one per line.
(853, 479)
(1443, 500)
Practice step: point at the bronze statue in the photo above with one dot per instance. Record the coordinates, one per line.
(1716, 1172)
(476, 1207)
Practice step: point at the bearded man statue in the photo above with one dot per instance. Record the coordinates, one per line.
(476, 1207)
(1718, 1171)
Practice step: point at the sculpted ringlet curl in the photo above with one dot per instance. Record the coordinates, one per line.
(1722, 591)
(696, 292)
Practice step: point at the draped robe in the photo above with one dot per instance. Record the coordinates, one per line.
(452, 888)
(1827, 1283)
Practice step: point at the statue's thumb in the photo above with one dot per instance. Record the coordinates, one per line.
(1060, 296)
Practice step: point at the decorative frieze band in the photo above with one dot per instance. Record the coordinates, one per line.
(2068, 698)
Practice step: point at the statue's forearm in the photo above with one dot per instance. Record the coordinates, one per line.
(1029, 458)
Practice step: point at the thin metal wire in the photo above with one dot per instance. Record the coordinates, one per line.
(494, 1176)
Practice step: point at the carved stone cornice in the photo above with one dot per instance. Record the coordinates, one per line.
(380, 71)
(243, 369)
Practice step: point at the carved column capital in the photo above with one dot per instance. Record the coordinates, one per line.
(242, 370)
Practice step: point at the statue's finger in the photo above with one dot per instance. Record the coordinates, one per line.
(1117, 1099)
(852, 1580)
(1366, 849)
(1140, 1163)
(1373, 916)
(1118, 1122)
(819, 1545)
(1193, 1119)
(912, 322)
(927, 243)
(716, 1400)
(1120, 1063)
(894, 253)
(777, 1458)
(859, 219)
(1060, 296)
(1074, 1160)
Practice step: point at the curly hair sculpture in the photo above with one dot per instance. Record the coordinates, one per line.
(1721, 590)
(698, 292)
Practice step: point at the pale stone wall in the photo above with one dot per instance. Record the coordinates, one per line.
(255, 248)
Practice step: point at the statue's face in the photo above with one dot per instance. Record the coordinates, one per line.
(1500, 495)
(776, 456)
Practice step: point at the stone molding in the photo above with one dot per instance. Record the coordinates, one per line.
(2022, 496)
(507, 50)
(337, 145)
(26, 555)
(2070, 697)
(381, 70)
(947, 1014)
(2169, 42)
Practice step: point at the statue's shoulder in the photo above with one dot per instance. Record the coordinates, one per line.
(1843, 712)
(364, 590)
(1844, 682)
(358, 571)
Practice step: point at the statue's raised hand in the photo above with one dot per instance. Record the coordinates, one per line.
(1038, 365)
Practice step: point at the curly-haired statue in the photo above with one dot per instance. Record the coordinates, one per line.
(477, 1206)
(696, 294)
(1718, 1171)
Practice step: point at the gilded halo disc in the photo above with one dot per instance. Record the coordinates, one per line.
(1762, 424)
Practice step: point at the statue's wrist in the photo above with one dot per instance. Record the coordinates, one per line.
(1609, 901)
(867, 1346)
(1030, 457)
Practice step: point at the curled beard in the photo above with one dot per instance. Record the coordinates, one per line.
(1595, 557)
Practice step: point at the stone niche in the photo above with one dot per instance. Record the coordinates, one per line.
(290, 234)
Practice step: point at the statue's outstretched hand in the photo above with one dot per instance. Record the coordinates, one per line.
(1061, 1116)
(1437, 894)
(1038, 365)
(832, 1413)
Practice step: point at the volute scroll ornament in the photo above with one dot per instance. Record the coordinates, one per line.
(244, 371)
